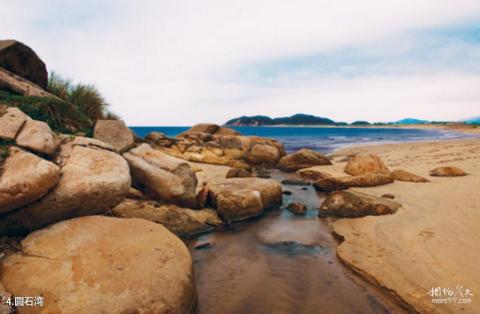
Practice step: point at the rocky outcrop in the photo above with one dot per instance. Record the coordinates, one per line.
(181, 221)
(447, 172)
(115, 133)
(160, 139)
(402, 175)
(23, 61)
(297, 208)
(99, 264)
(341, 183)
(11, 122)
(25, 178)
(19, 85)
(355, 204)
(162, 176)
(37, 136)
(92, 181)
(304, 158)
(241, 198)
(209, 128)
(366, 163)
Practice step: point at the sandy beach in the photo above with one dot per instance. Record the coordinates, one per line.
(433, 240)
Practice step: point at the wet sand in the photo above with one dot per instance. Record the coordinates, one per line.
(281, 263)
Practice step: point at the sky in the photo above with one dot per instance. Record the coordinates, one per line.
(181, 62)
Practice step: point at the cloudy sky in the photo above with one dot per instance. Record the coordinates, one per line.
(179, 62)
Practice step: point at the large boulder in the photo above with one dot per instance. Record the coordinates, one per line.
(264, 154)
(37, 136)
(163, 177)
(92, 181)
(25, 178)
(68, 143)
(237, 205)
(247, 193)
(304, 158)
(99, 264)
(329, 184)
(366, 163)
(115, 133)
(402, 175)
(181, 221)
(447, 172)
(11, 122)
(23, 61)
(355, 204)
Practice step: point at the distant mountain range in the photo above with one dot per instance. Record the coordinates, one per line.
(306, 119)
(475, 120)
(297, 119)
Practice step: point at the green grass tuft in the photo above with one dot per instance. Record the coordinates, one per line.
(61, 116)
(86, 98)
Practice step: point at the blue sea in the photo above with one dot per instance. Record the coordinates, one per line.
(325, 140)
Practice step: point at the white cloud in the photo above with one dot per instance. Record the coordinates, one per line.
(177, 62)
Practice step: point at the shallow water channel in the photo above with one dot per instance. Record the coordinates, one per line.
(281, 263)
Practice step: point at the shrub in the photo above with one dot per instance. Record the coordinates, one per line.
(86, 98)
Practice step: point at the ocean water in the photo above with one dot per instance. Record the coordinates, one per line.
(324, 139)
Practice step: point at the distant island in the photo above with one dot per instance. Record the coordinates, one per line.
(301, 119)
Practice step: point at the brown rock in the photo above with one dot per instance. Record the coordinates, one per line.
(4, 307)
(447, 172)
(270, 190)
(25, 178)
(181, 221)
(163, 176)
(209, 128)
(238, 173)
(366, 163)
(202, 197)
(11, 121)
(402, 175)
(236, 205)
(388, 195)
(297, 208)
(99, 264)
(37, 136)
(304, 158)
(115, 133)
(19, 85)
(366, 180)
(226, 131)
(355, 204)
(92, 182)
(313, 175)
(68, 143)
(23, 61)
(263, 154)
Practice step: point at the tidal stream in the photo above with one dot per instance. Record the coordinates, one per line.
(281, 263)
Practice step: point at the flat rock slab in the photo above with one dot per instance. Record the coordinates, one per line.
(447, 172)
(179, 220)
(355, 204)
(341, 183)
(25, 178)
(99, 264)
